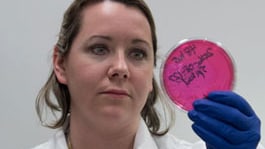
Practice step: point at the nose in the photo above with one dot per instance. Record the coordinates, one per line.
(119, 67)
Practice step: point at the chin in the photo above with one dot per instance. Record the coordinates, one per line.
(114, 113)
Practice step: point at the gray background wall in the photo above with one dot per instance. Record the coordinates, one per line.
(28, 31)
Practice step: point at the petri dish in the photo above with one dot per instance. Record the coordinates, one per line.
(193, 68)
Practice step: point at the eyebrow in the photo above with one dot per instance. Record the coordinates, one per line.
(134, 41)
(101, 37)
(141, 41)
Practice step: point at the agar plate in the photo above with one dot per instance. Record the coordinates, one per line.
(194, 68)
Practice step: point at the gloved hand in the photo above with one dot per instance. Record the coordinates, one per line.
(224, 120)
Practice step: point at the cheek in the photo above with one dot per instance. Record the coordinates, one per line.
(143, 86)
(143, 82)
(83, 80)
(149, 80)
(150, 84)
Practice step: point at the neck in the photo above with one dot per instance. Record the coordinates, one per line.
(102, 135)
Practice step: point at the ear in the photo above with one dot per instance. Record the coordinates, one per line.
(59, 66)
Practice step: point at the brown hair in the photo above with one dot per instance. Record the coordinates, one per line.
(69, 29)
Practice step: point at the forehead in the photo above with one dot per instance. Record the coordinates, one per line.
(109, 17)
(110, 5)
(112, 10)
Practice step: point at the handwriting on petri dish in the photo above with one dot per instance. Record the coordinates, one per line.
(189, 71)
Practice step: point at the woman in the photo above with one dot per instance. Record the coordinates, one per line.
(103, 82)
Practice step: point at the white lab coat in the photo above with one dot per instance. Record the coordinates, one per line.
(143, 140)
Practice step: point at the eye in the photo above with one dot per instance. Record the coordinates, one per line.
(138, 54)
(99, 49)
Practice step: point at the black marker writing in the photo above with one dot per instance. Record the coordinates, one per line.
(188, 73)
(179, 58)
(189, 51)
(205, 56)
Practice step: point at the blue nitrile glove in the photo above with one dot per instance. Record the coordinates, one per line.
(224, 120)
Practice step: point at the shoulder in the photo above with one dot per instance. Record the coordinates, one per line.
(56, 142)
(144, 139)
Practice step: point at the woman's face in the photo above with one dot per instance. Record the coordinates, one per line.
(109, 68)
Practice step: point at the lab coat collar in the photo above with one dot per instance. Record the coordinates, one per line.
(143, 138)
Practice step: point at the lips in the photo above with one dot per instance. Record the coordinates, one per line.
(115, 92)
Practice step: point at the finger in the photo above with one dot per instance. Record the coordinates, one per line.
(213, 140)
(223, 113)
(231, 99)
(219, 128)
(208, 137)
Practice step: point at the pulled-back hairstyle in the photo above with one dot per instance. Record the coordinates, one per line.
(52, 88)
